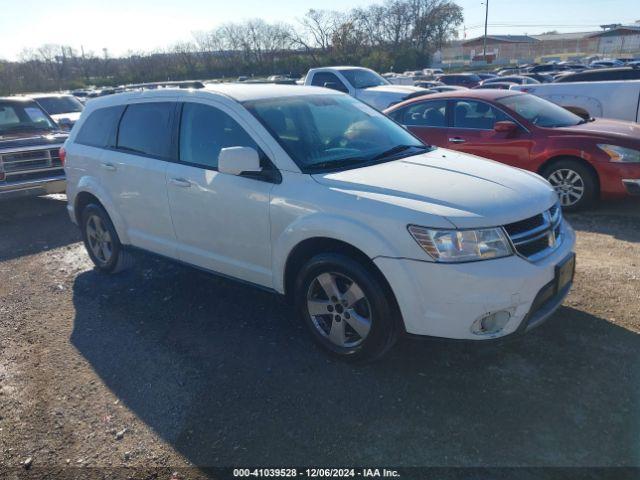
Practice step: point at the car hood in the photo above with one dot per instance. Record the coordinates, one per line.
(71, 116)
(607, 129)
(31, 139)
(399, 89)
(386, 95)
(468, 191)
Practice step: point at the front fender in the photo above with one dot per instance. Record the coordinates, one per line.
(91, 185)
(324, 225)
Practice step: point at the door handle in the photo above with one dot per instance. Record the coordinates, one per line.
(109, 166)
(180, 182)
(457, 140)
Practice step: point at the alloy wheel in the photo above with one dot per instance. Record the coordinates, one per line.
(569, 185)
(339, 309)
(99, 239)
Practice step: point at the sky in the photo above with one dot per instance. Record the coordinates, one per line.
(121, 26)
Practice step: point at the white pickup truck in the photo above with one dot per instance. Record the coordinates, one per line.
(363, 84)
(618, 99)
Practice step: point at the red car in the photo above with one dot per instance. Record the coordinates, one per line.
(583, 159)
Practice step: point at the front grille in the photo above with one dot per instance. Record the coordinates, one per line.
(525, 225)
(537, 236)
(30, 164)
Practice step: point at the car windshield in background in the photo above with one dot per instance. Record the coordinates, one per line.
(540, 112)
(57, 105)
(18, 117)
(363, 78)
(333, 132)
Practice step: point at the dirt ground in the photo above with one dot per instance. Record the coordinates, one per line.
(164, 366)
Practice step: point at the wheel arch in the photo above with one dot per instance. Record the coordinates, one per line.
(310, 247)
(553, 160)
(89, 191)
(81, 201)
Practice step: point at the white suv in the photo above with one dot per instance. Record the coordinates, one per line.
(314, 195)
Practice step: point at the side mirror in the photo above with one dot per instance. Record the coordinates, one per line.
(506, 126)
(581, 112)
(237, 160)
(335, 86)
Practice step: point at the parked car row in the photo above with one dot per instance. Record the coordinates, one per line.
(583, 159)
(315, 195)
(556, 139)
(354, 215)
(375, 90)
(538, 74)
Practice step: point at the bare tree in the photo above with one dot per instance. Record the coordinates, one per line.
(401, 33)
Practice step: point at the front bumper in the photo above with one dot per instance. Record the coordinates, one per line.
(618, 179)
(632, 185)
(30, 188)
(445, 301)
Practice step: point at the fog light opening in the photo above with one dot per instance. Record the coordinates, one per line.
(491, 323)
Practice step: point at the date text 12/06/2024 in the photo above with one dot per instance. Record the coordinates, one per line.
(316, 473)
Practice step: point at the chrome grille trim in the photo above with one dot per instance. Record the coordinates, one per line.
(529, 244)
(32, 161)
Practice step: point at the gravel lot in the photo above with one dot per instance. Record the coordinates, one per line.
(166, 366)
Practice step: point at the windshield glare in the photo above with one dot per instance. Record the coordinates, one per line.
(19, 116)
(57, 105)
(360, 78)
(540, 112)
(331, 132)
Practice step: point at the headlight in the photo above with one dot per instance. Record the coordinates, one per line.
(621, 154)
(462, 245)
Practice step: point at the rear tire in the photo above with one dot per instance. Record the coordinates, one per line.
(575, 183)
(347, 308)
(102, 242)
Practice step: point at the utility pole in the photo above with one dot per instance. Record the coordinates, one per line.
(486, 19)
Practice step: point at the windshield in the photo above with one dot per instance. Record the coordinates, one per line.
(23, 116)
(56, 105)
(333, 132)
(540, 112)
(361, 78)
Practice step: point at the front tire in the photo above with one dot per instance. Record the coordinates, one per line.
(347, 308)
(574, 182)
(102, 242)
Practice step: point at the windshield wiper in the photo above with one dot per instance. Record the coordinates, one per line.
(337, 163)
(397, 149)
(586, 120)
(355, 162)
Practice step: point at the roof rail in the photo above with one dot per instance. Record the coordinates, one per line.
(176, 84)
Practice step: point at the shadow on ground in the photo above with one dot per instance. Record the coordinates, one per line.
(620, 219)
(225, 374)
(33, 225)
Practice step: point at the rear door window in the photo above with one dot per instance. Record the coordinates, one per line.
(146, 129)
(475, 115)
(99, 130)
(424, 114)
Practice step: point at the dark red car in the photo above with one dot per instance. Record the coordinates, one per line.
(582, 159)
(468, 80)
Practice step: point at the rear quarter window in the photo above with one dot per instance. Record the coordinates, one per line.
(99, 129)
